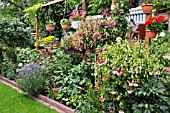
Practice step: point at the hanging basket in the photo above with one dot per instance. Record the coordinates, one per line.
(66, 26)
(147, 8)
(76, 24)
(150, 34)
(50, 28)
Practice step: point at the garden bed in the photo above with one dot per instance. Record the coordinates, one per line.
(41, 98)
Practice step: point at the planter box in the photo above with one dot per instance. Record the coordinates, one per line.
(41, 97)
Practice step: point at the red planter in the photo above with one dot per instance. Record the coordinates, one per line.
(50, 28)
(151, 34)
(147, 8)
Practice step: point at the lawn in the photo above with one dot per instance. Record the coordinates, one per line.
(9, 102)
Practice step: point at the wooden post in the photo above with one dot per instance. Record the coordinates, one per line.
(84, 5)
(37, 31)
(113, 6)
(148, 40)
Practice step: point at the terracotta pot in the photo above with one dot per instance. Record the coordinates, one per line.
(150, 34)
(147, 8)
(66, 26)
(50, 28)
(166, 15)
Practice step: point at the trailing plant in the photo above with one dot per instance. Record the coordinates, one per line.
(65, 21)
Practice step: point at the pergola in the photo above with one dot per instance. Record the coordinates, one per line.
(57, 1)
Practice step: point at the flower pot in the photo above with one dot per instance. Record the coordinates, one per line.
(147, 8)
(150, 34)
(66, 26)
(166, 15)
(76, 24)
(50, 28)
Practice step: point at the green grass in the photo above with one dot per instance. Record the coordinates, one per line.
(10, 104)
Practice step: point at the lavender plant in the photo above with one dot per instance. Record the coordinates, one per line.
(31, 79)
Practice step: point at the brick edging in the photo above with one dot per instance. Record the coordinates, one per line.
(41, 97)
(56, 104)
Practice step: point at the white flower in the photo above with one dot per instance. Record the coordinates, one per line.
(118, 39)
(20, 64)
(162, 34)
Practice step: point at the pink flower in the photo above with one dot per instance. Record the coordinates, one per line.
(47, 57)
(99, 81)
(115, 23)
(104, 77)
(50, 50)
(79, 33)
(102, 99)
(100, 23)
(135, 84)
(130, 83)
(98, 87)
(115, 72)
(130, 91)
(121, 111)
(100, 62)
(120, 72)
(108, 79)
(167, 70)
(96, 35)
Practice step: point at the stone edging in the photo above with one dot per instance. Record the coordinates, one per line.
(41, 97)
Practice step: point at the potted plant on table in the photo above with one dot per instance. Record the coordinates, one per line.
(162, 7)
(65, 23)
(50, 26)
(147, 6)
(154, 25)
(77, 16)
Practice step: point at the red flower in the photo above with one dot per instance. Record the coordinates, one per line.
(108, 79)
(79, 33)
(102, 99)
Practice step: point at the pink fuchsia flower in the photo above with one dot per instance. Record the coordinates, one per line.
(120, 72)
(135, 84)
(97, 87)
(130, 91)
(50, 50)
(101, 62)
(121, 111)
(167, 70)
(130, 83)
(104, 77)
(96, 35)
(79, 33)
(47, 57)
(115, 72)
(99, 81)
(101, 23)
(102, 99)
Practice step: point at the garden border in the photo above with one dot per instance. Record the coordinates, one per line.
(41, 98)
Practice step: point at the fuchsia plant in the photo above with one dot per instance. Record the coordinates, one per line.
(77, 15)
